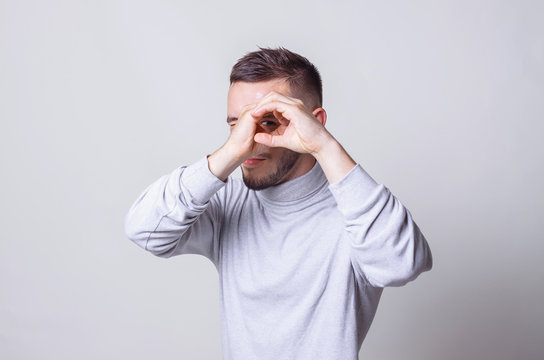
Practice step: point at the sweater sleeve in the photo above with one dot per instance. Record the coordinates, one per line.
(387, 247)
(178, 214)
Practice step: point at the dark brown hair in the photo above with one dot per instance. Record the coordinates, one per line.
(267, 64)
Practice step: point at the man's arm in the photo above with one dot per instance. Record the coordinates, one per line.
(388, 249)
(304, 132)
(387, 246)
(177, 214)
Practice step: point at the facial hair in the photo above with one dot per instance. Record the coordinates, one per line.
(286, 163)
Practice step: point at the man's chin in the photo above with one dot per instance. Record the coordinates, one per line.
(255, 182)
(259, 177)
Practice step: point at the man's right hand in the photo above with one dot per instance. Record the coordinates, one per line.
(239, 147)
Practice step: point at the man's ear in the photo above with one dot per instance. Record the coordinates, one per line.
(321, 115)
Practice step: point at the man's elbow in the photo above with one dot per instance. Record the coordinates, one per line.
(143, 237)
(134, 231)
(409, 268)
(422, 261)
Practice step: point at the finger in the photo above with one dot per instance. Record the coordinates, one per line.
(269, 140)
(246, 116)
(274, 95)
(247, 109)
(280, 118)
(272, 105)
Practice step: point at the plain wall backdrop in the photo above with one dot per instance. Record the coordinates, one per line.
(442, 101)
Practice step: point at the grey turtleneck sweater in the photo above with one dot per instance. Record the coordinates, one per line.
(301, 265)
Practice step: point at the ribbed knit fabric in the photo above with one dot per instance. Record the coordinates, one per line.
(301, 265)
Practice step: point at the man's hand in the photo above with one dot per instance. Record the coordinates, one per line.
(240, 145)
(304, 132)
(300, 130)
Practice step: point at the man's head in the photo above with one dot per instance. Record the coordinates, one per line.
(266, 64)
(252, 77)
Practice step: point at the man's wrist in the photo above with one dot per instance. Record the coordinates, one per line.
(327, 143)
(223, 162)
(334, 160)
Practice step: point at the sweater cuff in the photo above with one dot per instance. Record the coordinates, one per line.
(200, 182)
(352, 188)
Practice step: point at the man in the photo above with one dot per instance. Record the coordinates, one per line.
(305, 243)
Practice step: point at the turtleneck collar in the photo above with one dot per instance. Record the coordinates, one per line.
(298, 188)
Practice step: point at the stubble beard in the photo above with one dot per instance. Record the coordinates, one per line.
(286, 163)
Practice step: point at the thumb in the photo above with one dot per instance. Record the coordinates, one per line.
(269, 140)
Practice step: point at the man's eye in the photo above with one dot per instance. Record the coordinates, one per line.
(268, 123)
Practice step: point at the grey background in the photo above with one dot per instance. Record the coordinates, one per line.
(442, 101)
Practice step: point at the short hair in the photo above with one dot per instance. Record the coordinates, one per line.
(267, 64)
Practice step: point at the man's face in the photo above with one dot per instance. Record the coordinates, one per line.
(273, 165)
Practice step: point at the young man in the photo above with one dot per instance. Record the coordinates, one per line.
(305, 243)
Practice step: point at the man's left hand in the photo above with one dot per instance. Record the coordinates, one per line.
(303, 131)
(299, 130)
